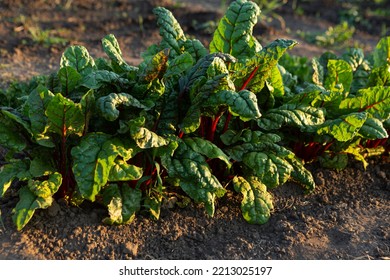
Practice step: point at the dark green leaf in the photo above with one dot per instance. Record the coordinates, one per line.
(78, 58)
(122, 203)
(25, 208)
(64, 116)
(256, 205)
(234, 32)
(170, 31)
(300, 116)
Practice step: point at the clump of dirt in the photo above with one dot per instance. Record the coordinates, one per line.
(346, 217)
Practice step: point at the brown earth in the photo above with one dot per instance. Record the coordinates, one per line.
(346, 217)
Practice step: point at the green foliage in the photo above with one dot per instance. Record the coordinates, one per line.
(238, 117)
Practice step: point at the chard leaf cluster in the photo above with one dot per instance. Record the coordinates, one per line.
(189, 120)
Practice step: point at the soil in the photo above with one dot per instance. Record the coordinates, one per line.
(346, 217)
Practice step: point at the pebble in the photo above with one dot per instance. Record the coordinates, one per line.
(130, 248)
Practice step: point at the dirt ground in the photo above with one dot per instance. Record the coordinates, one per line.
(347, 216)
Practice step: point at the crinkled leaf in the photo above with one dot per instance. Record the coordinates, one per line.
(197, 76)
(154, 67)
(69, 78)
(257, 202)
(382, 52)
(339, 76)
(122, 171)
(195, 48)
(99, 78)
(179, 65)
(248, 136)
(301, 175)
(79, 59)
(25, 208)
(374, 100)
(297, 115)
(10, 171)
(373, 129)
(93, 159)
(11, 135)
(379, 76)
(338, 161)
(144, 137)
(206, 148)
(195, 176)
(108, 104)
(238, 152)
(345, 127)
(122, 203)
(242, 103)
(234, 32)
(37, 102)
(275, 82)
(47, 187)
(271, 169)
(170, 31)
(260, 66)
(42, 163)
(112, 49)
(64, 116)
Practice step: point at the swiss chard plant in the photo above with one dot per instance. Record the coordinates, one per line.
(188, 120)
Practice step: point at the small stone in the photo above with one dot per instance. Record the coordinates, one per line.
(130, 248)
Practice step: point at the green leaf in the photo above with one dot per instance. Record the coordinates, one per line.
(25, 208)
(338, 161)
(248, 136)
(122, 203)
(242, 103)
(195, 48)
(154, 67)
(108, 104)
(69, 78)
(375, 101)
(37, 102)
(339, 76)
(122, 171)
(297, 115)
(345, 127)
(64, 116)
(112, 49)
(78, 58)
(382, 52)
(373, 129)
(144, 137)
(195, 176)
(206, 148)
(93, 160)
(170, 31)
(179, 65)
(10, 171)
(11, 134)
(47, 187)
(256, 205)
(238, 152)
(271, 169)
(301, 175)
(275, 82)
(99, 78)
(379, 76)
(256, 70)
(234, 32)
